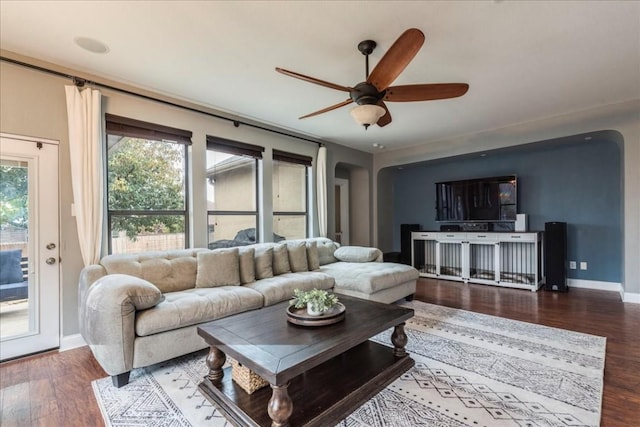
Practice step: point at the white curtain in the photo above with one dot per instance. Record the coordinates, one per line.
(322, 190)
(85, 147)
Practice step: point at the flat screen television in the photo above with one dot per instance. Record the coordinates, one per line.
(480, 199)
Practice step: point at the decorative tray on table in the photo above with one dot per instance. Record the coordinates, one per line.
(299, 316)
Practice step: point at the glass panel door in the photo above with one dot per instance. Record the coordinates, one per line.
(14, 248)
(29, 254)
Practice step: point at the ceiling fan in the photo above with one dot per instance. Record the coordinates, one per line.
(371, 94)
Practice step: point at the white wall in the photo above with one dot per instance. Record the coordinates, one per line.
(360, 191)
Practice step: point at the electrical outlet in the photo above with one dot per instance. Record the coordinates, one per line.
(572, 265)
(583, 265)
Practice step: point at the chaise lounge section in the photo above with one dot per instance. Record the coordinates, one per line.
(141, 309)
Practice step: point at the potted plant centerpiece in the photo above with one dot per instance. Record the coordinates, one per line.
(317, 301)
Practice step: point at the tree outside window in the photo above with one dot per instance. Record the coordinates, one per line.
(146, 191)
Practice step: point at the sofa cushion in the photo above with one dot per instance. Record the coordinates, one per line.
(326, 248)
(297, 256)
(10, 270)
(280, 288)
(263, 261)
(313, 260)
(280, 259)
(247, 265)
(170, 271)
(369, 277)
(219, 267)
(357, 254)
(195, 306)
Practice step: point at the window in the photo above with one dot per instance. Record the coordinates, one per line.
(290, 195)
(232, 192)
(147, 181)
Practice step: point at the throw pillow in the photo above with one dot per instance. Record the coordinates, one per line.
(219, 267)
(10, 270)
(280, 260)
(356, 254)
(263, 259)
(297, 256)
(247, 267)
(313, 258)
(326, 248)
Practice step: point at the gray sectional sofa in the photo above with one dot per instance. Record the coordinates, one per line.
(137, 310)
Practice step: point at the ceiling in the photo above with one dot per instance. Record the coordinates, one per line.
(522, 60)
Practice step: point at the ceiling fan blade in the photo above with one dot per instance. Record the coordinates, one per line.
(425, 92)
(396, 59)
(324, 110)
(313, 80)
(386, 119)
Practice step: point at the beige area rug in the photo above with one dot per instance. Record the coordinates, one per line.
(471, 370)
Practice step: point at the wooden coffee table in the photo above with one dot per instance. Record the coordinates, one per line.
(318, 375)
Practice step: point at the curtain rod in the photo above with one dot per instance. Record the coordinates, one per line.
(79, 81)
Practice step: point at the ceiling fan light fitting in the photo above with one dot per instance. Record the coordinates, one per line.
(367, 114)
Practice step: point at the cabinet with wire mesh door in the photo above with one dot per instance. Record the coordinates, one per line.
(503, 259)
(423, 252)
(483, 258)
(451, 257)
(520, 260)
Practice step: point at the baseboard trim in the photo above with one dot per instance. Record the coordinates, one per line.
(594, 284)
(605, 286)
(631, 297)
(70, 342)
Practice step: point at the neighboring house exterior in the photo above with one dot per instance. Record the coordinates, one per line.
(232, 189)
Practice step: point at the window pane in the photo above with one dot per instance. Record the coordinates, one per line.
(17, 312)
(139, 233)
(231, 230)
(145, 174)
(290, 226)
(231, 182)
(289, 187)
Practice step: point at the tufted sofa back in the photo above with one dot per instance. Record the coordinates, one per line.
(176, 270)
(170, 271)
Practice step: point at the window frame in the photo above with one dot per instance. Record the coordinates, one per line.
(306, 161)
(127, 127)
(237, 148)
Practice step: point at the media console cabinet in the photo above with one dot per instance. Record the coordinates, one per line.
(504, 259)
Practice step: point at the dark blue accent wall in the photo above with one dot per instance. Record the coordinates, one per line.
(578, 182)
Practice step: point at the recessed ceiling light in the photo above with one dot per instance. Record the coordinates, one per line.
(92, 45)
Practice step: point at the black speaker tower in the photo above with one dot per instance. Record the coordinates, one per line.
(405, 242)
(555, 256)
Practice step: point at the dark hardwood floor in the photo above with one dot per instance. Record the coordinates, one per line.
(54, 389)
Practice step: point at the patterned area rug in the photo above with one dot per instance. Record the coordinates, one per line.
(471, 370)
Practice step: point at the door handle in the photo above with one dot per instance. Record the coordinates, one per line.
(50, 261)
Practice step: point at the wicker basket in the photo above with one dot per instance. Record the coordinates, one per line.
(245, 377)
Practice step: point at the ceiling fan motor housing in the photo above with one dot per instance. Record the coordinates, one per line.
(365, 93)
